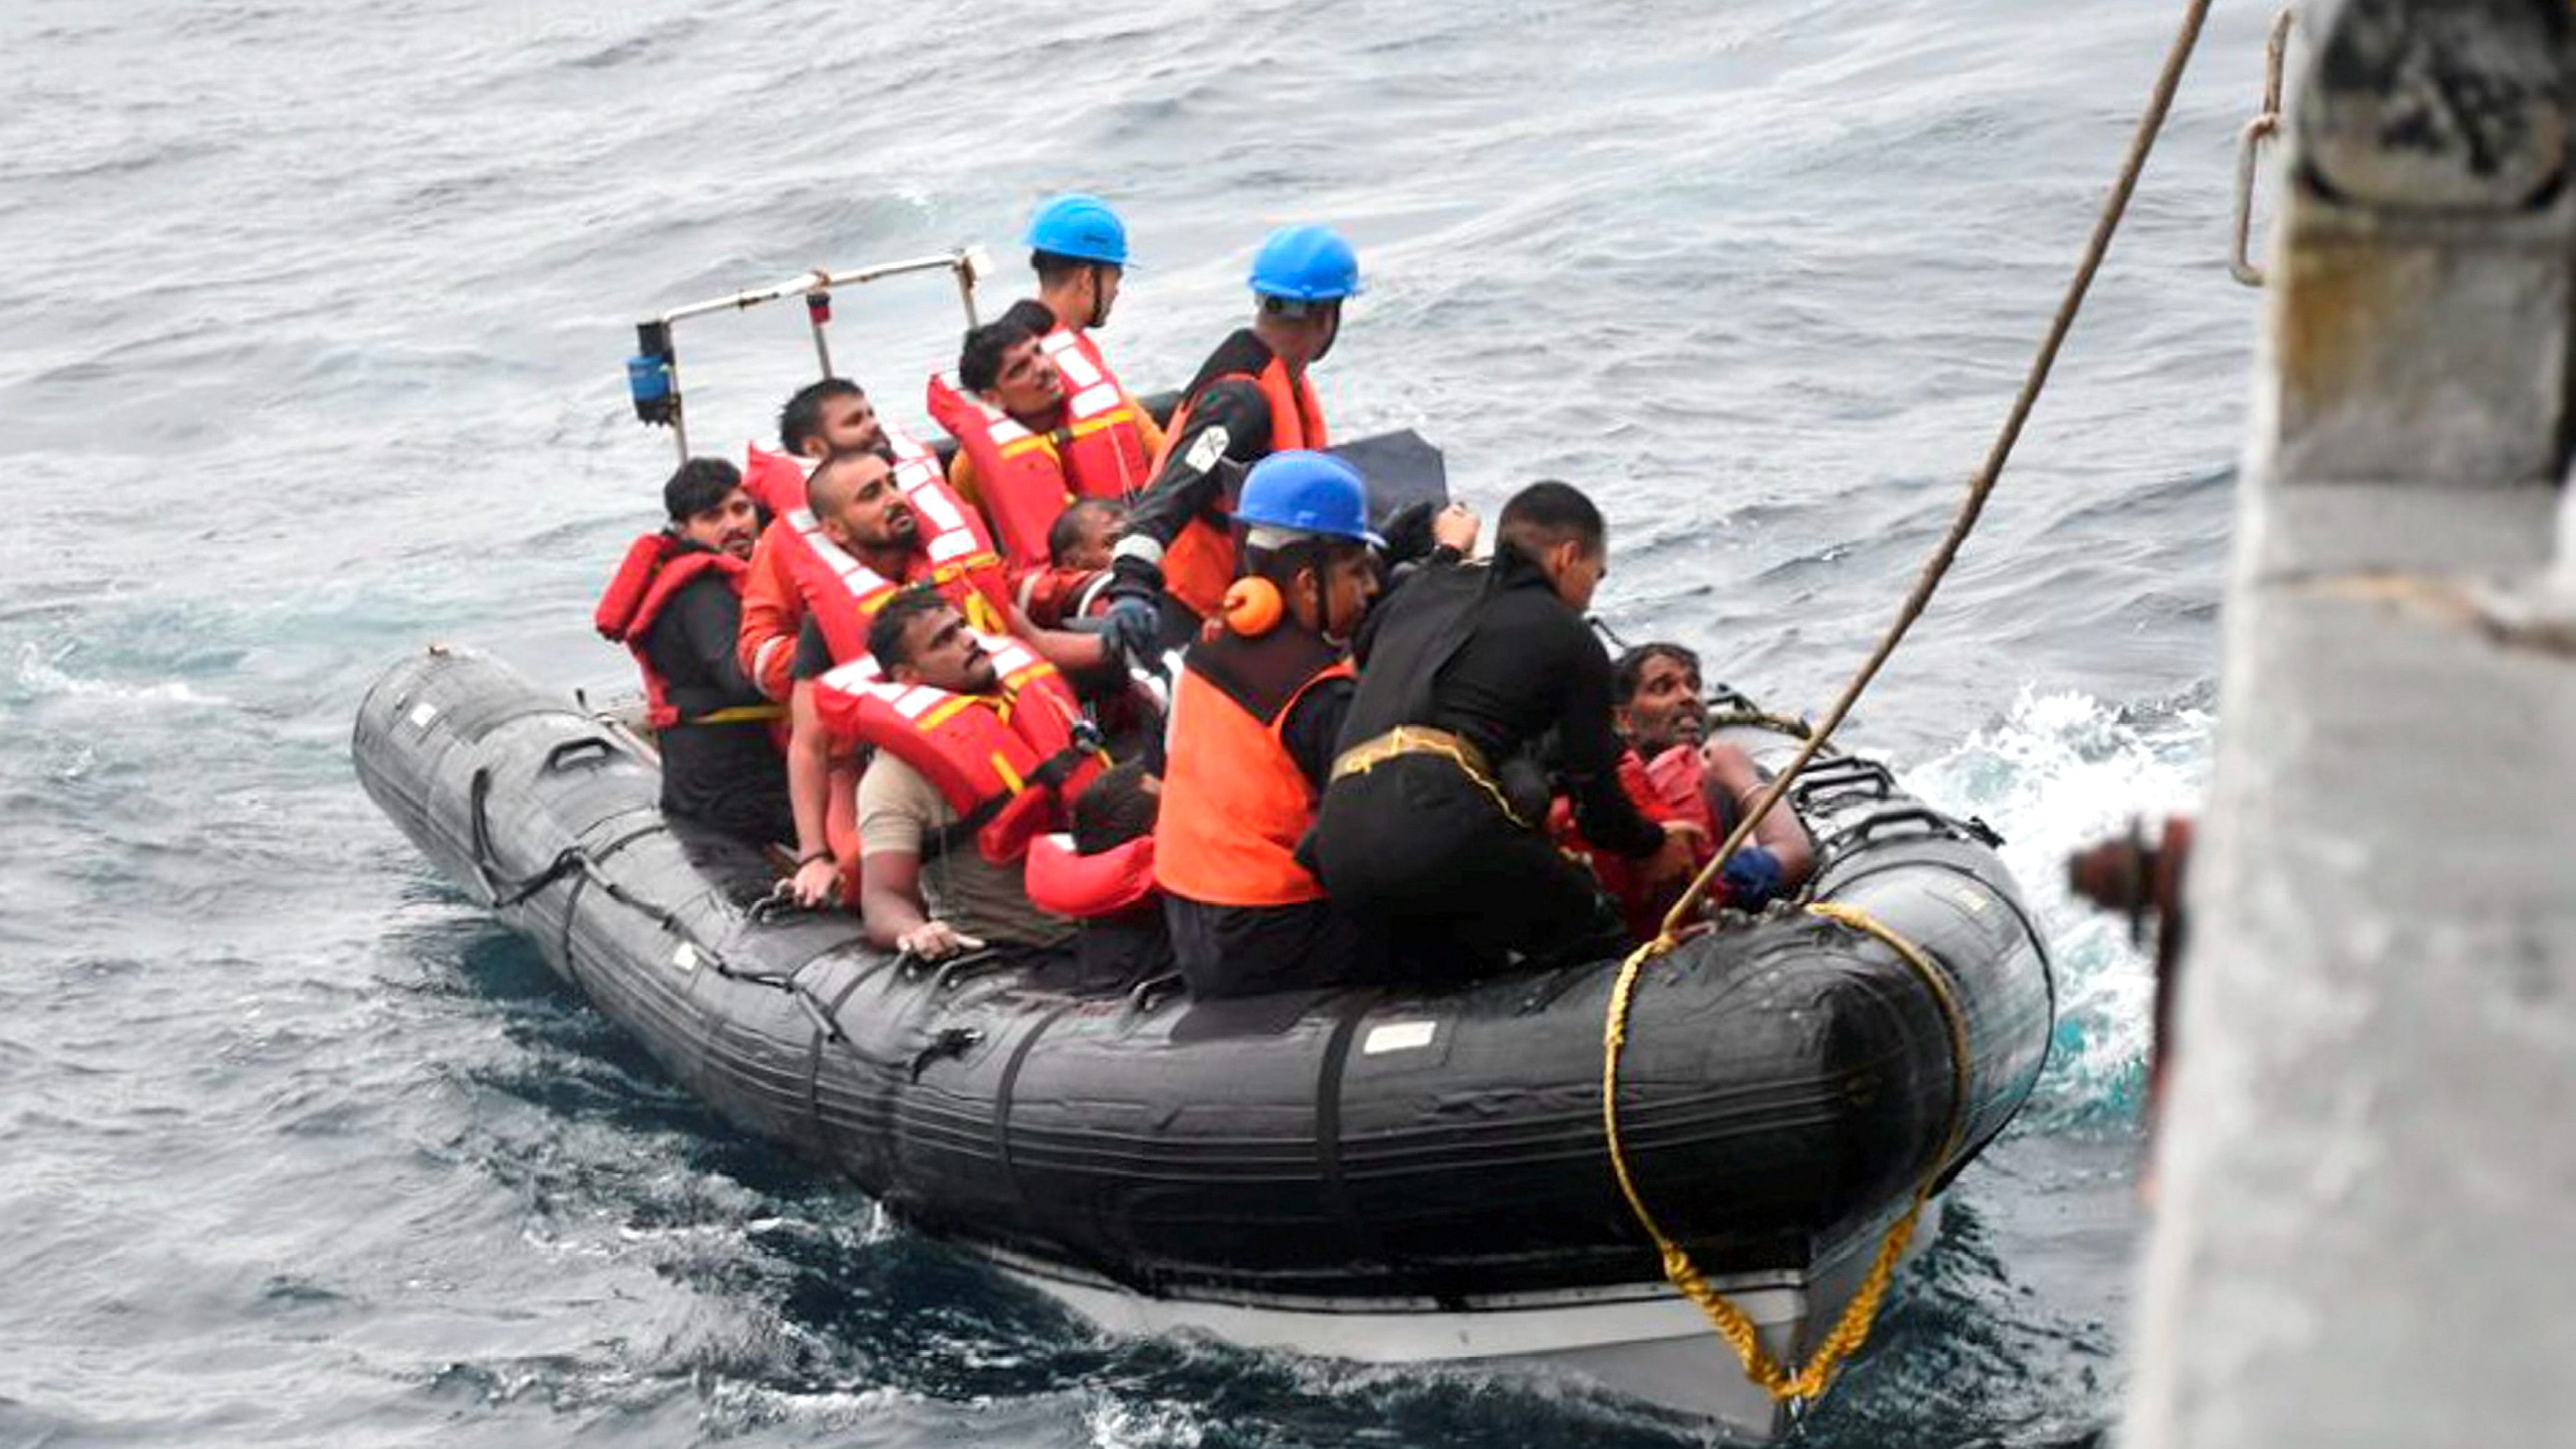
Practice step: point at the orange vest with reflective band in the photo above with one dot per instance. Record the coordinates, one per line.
(955, 557)
(656, 567)
(1234, 802)
(1200, 563)
(1010, 763)
(1027, 478)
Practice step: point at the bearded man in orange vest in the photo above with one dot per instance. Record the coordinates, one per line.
(1252, 398)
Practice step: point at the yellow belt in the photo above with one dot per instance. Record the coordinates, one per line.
(740, 714)
(1361, 758)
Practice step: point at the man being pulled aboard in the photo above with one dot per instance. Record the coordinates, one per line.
(926, 885)
(1255, 714)
(1432, 829)
(1250, 399)
(677, 603)
(1671, 774)
(1029, 441)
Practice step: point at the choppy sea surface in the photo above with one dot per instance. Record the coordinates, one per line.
(311, 320)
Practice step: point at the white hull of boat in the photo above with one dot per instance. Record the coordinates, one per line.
(1643, 1341)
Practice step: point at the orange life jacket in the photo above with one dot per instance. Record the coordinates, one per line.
(1234, 802)
(955, 557)
(1027, 478)
(1010, 763)
(1063, 882)
(656, 567)
(1200, 562)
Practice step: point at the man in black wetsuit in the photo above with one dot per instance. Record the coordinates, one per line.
(1432, 829)
(676, 603)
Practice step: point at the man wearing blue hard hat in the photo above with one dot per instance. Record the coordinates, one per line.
(1039, 417)
(1256, 711)
(1078, 247)
(1252, 398)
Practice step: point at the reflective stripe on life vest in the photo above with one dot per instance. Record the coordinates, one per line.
(1010, 763)
(955, 557)
(1200, 562)
(1026, 479)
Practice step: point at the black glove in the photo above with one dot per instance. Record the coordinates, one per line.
(1134, 578)
(1133, 628)
(1408, 532)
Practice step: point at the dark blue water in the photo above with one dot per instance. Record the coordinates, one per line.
(311, 315)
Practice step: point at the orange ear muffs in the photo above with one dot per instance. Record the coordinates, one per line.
(1253, 607)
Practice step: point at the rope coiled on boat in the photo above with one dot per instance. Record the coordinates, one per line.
(1852, 1328)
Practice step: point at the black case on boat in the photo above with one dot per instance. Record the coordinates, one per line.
(1785, 1086)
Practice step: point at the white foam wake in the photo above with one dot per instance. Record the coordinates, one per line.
(2059, 772)
(41, 676)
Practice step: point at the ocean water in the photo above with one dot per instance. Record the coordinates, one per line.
(311, 320)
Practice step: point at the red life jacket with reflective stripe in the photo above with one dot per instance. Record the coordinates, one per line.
(1049, 596)
(955, 557)
(656, 567)
(1063, 882)
(1027, 478)
(1010, 763)
(1200, 563)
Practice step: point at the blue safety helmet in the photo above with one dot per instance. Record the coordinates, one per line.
(1306, 264)
(1081, 227)
(1308, 492)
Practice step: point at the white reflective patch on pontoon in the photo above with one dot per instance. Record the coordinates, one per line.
(685, 956)
(1399, 1036)
(422, 713)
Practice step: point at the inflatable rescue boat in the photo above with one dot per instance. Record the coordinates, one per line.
(1365, 1174)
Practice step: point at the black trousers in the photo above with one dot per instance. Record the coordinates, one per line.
(1252, 950)
(1454, 888)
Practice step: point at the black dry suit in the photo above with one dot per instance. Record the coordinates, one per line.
(1439, 841)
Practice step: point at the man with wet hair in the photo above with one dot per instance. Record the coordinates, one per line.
(677, 604)
(1673, 771)
(1432, 828)
(1658, 691)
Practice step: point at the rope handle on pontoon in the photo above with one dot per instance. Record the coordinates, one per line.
(1852, 1329)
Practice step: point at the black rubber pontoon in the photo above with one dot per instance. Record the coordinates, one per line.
(1786, 1083)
